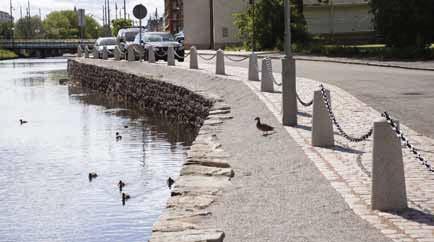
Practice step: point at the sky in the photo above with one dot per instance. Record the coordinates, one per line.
(92, 7)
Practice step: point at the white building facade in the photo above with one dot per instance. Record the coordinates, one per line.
(5, 17)
(209, 24)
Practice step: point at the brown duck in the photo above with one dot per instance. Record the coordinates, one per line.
(263, 127)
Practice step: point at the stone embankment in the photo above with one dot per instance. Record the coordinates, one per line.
(206, 171)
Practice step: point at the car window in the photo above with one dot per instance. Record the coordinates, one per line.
(131, 35)
(110, 41)
(158, 37)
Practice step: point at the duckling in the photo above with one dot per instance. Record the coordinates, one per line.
(23, 122)
(170, 182)
(125, 197)
(263, 127)
(92, 175)
(121, 185)
(118, 136)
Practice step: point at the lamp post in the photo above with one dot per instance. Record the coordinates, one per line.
(252, 3)
(289, 93)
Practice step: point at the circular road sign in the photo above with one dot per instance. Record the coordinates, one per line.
(140, 11)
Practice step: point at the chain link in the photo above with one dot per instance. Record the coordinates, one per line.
(207, 59)
(176, 55)
(407, 144)
(236, 60)
(304, 103)
(338, 126)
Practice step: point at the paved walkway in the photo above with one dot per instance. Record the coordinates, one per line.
(348, 166)
(412, 65)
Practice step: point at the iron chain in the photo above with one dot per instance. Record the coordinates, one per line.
(338, 126)
(236, 60)
(407, 144)
(270, 70)
(304, 103)
(207, 59)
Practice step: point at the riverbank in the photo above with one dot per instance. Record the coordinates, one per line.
(7, 55)
(277, 193)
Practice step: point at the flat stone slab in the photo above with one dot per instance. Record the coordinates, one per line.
(206, 171)
(204, 235)
(191, 202)
(204, 161)
(202, 185)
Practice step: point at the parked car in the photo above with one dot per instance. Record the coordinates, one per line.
(180, 37)
(160, 41)
(108, 42)
(126, 36)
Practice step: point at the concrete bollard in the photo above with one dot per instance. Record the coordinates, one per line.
(194, 64)
(79, 51)
(289, 93)
(170, 56)
(151, 54)
(131, 53)
(95, 53)
(117, 53)
(220, 63)
(141, 52)
(86, 52)
(388, 179)
(253, 67)
(322, 126)
(104, 53)
(266, 76)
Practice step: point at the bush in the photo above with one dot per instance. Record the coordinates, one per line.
(404, 23)
(6, 54)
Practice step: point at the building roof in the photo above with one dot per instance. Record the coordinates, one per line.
(335, 2)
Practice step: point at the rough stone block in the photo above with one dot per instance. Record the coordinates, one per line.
(322, 126)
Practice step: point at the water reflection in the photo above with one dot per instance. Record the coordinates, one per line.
(45, 164)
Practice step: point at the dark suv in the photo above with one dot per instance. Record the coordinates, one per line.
(126, 36)
(161, 41)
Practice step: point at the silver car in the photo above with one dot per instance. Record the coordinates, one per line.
(160, 41)
(108, 42)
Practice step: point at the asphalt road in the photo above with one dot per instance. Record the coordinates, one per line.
(407, 94)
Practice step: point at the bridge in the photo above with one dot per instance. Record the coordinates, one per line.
(45, 47)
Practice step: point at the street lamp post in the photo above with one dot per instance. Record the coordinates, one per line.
(289, 92)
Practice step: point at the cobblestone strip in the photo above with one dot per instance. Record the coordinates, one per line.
(348, 165)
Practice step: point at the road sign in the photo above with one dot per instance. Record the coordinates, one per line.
(81, 18)
(140, 11)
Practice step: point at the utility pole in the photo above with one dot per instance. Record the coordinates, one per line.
(116, 10)
(211, 23)
(29, 20)
(108, 16)
(289, 91)
(12, 20)
(40, 15)
(21, 12)
(125, 10)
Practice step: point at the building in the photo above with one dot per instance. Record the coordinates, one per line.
(155, 23)
(174, 16)
(5, 17)
(341, 19)
(209, 24)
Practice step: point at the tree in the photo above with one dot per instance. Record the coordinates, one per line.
(120, 24)
(404, 23)
(64, 25)
(268, 24)
(29, 28)
(5, 30)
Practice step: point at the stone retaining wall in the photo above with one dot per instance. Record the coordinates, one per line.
(175, 102)
(207, 170)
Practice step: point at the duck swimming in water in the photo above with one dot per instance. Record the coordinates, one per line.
(121, 185)
(118, 136)
(92, 175)
(170, 182)
(125, 197)
(23, 122)
(265, 128)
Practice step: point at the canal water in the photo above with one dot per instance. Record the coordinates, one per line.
(45, 193)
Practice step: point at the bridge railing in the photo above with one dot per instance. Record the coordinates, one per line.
(44, 43)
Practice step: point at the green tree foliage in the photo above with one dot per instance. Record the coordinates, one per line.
(119, 24)
(267, 26)
(404, 23)
(64, 25)
(5, 30)
(29, 28)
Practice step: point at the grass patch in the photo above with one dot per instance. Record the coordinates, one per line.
(7, 54)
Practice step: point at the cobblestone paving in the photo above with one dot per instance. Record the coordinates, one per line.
(348, 165)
